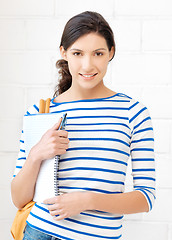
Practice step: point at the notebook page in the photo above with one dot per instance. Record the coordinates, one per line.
(34, 126)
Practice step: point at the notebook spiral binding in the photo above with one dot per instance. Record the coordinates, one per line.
(56, 175)
(57, 160)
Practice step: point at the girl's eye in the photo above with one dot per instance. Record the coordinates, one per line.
(76, 53)
(98, 54)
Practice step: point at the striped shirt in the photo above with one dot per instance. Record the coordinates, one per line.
(104, 134)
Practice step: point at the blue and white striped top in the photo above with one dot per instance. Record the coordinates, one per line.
(104, 133)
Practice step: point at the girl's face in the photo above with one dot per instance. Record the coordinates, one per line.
(88, 59)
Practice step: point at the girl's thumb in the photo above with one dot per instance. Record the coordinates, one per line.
(57, 125)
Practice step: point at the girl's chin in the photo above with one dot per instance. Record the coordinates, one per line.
(88, 85)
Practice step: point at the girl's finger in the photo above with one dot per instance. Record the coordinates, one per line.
(56, 212)
(63, 146)
(57, 125)
(53, 207)
(50, 200)
(64, 140)
(62, 133)
(60, 217)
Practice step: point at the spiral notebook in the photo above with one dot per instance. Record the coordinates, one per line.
(34, 126)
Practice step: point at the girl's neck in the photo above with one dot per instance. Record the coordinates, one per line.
(73, 94)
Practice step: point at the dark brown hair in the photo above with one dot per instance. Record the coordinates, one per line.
(77, 26)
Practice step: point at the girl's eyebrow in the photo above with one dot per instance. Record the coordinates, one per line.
(75, 49)
(99, 49)
(79, 50)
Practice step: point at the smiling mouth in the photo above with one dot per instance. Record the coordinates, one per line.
(88, 75)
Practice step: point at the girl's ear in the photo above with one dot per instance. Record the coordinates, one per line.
(63, 53)
(111, 53)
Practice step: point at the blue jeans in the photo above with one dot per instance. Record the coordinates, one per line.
(33, 234)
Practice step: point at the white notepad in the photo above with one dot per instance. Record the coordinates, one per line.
(34, 126)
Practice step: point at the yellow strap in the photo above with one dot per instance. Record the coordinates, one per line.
(41, 106)
(47, 105)
(44, 105)
(19, 222)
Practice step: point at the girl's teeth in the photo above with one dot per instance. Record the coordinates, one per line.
(88, 75)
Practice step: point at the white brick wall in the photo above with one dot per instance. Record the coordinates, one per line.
(30, 35)
(24, 8)
(157, 35)
(144, 8)
(76, 6)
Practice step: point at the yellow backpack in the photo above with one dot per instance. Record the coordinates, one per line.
(19, 222)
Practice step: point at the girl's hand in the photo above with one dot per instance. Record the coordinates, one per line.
(67, 204)
(53, 142)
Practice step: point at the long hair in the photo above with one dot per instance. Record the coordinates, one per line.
(79, 25)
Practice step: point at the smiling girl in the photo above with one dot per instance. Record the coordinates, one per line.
(104, 130)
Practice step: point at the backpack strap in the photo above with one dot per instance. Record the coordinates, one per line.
(44, 105)
(47, 105)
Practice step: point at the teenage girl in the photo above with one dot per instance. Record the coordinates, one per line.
(104, 131)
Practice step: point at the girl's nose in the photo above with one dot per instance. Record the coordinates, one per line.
(87, 64)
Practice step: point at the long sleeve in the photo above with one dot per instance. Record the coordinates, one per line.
(21, 156)
(142, 152)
